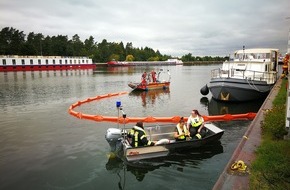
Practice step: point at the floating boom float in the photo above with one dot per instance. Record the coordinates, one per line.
(148, 119)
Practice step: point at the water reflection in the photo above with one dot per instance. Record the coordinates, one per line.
(181, 160)
(25, 75)
(150, 96)
(220, 108)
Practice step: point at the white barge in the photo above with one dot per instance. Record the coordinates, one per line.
(39, 63)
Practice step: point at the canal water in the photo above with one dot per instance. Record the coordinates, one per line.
(44, 147)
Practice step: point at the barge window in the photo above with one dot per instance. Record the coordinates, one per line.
(53, 61)
(4, 61)
(70, 61)
(75, 61)
(39, 61)
(31, 62)
(22, 61)
(65, 61)
(83, 61)
(46, 61)
(79, 61)
(60, 61)
(13, 62)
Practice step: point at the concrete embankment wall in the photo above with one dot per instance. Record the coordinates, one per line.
(202, 63)
(245, 151)
(184, 63)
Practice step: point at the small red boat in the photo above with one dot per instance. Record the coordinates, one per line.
(114, 63)
(149, 86)
(151, 81)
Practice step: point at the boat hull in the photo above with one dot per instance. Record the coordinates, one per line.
(238, 90)
(43, 63)
(45, 67)
(249, 75)
(117, 64)
(149, 86)
(163, 147)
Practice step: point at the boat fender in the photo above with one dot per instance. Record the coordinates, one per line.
(204, 90)
(239, 165)
(162, 141)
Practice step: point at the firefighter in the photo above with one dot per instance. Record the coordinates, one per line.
(138, 136)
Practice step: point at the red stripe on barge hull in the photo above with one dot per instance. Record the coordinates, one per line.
(45, 67)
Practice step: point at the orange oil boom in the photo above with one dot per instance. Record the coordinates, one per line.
(148, 119)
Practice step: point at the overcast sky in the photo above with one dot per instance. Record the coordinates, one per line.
(174, 27)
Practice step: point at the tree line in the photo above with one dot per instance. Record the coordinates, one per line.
(16, 42)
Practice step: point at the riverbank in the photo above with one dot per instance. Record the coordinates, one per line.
(202, 63)
(184, 63)
(245, 151)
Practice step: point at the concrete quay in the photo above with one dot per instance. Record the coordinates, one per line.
(245, 151)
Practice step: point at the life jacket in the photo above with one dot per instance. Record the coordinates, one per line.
(180, 131)
(197, 121)
(138, 134)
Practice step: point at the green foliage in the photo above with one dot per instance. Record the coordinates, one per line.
(274, 120)
(274, 123)
(13, 42)
(282, 95)
(156, 58)
(271, 169)
(190, 58)
(130, 58)
(115, 57)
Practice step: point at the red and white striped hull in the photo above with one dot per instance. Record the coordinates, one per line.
(45, 67)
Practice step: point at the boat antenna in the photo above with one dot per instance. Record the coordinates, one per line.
(243, 52)
(169, 75)
(124, 117)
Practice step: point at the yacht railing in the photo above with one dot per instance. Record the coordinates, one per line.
(269, 77)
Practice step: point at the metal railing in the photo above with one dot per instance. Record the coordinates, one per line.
(269, 77)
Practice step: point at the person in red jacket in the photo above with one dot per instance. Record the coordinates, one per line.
(153, 74)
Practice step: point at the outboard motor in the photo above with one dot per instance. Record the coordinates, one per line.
(116, 136)
(113, 137)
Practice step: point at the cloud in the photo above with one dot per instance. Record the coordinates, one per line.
(173, 27)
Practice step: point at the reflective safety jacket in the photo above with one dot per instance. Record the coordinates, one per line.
(197, 121)
(139, 138)
(180, 131)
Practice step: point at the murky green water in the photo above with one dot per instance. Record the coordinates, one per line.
(43, 147)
